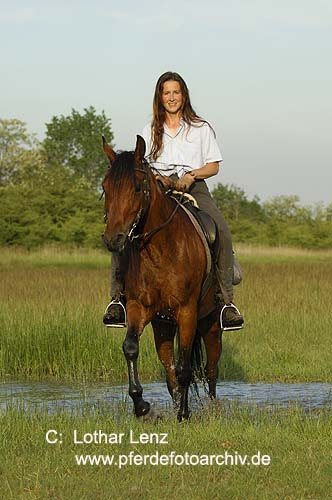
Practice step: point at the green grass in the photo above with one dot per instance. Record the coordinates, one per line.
(74, 257)
(52, 301)
(298, 444)
(260, 253)
(53, 257)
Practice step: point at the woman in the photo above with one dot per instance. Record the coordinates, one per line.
(181, 145)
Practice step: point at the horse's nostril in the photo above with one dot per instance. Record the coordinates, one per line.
(116, 243)
(120, 238)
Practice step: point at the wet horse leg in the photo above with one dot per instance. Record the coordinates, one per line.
(213, 346)
(187, 322)
(164, 334)
(135, 316)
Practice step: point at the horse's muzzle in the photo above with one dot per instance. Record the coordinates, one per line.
(115, 244)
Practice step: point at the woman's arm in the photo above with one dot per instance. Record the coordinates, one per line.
(206, 171)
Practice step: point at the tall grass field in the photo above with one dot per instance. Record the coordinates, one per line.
(52, 302)
(296, 448)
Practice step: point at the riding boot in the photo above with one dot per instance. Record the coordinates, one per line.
(115, 313)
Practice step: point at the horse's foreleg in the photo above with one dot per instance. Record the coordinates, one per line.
(213, 346)
(164, 334)
(187, 322)
(131, 350)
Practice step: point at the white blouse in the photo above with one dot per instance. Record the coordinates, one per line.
(189, 149)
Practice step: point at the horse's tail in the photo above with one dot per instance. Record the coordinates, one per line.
(197, 361)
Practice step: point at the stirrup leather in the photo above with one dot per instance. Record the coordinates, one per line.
(229, 328)
(117, 325)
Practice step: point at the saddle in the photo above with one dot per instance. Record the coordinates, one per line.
(208, 231)
(208, 227)
(211, 234)
(205, 222)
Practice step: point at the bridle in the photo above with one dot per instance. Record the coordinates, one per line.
(142, 213)
(141, 237)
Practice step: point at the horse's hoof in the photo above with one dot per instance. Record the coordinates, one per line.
(142, 408)
(183, 417)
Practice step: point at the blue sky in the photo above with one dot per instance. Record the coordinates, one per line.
(259, 71)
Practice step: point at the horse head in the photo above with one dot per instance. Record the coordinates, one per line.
(126, 188)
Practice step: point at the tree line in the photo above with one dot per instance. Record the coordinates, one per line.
(50, 192)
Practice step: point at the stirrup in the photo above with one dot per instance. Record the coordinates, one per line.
(229, 328)
(117, 325)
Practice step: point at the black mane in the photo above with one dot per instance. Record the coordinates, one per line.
(123, 167)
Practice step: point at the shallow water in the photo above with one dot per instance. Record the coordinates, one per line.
(53, 396)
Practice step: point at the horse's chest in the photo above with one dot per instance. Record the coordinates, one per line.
(168, 291)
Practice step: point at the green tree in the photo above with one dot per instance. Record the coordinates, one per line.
(74, 141)
(244, 217)
(17, 149)
(49, 206)
(42, 203)
(283, 208)
(234, 204)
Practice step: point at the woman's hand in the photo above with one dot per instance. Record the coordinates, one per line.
(185, 182)
(166, 181)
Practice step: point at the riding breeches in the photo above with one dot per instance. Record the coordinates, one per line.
(200, 192)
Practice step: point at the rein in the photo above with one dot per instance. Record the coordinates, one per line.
(145, 237)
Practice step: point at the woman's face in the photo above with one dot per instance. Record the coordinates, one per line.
(172, 97)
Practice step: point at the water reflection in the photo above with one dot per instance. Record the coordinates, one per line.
(53, 396)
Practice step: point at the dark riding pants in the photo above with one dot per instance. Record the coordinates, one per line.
(200, 192)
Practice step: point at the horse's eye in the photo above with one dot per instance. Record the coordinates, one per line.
(138, 189)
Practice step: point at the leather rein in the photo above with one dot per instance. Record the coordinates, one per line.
(144, 237)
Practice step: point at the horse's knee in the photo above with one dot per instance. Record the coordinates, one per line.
(130, 346)
(130, 349)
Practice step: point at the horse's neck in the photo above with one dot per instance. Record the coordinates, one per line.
(160, 210)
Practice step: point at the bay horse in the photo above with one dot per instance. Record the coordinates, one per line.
(163, 263)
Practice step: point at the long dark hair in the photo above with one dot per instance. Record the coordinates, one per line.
(189, 116)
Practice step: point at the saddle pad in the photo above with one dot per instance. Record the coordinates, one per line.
(202, 236)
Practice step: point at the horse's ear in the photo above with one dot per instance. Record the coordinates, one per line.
(108, 151)
(140, 149)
